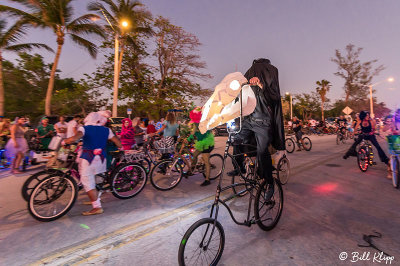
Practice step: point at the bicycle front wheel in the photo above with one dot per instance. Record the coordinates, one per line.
(53, 197)
(290, 146)
(284, 170)
(202, 244)
(362, 159)
(30, 184)
(268, 205)
(128, 180)
(307, 143)
(166, 175)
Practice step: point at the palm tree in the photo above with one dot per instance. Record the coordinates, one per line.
(8, 42)
(322, 89)
(57, 15)
(126, 20)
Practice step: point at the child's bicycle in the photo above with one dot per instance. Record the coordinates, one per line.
(394, 150)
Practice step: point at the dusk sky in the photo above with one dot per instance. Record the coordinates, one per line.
(299, 37)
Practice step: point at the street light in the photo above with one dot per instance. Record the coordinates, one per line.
(291, 105)
(123, 24)
(371, 103)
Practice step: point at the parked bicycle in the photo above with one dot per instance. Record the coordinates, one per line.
(291, 141)
(168, 173)
(56, 193)
(205, 239)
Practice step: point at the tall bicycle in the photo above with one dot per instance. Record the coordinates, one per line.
(203, 243)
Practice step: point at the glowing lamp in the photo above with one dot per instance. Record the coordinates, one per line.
(234, 85)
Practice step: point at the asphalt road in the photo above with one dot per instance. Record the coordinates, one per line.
(329, 204)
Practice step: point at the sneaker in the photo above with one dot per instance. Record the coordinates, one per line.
(345, 156)
(270, 192)
(233, 173)
(205, 183)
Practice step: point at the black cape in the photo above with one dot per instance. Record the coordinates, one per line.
(271, 97)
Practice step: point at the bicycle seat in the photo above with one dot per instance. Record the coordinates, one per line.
(116, 154)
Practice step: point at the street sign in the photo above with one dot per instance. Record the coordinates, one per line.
(347, 110)
(129, 111)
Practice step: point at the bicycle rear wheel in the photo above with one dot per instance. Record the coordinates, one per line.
(53, 197)
(202, 244)
(307, 143)
(268, 207)
(216, 161)
(30, 184)
(362, 159)
(128, 180)
(290, 145)
(284, 170)
(166, 174)
(395, 171)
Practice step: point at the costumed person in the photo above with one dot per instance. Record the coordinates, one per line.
(45, 132)
(367, 126)
(203, 143)
(265, 124)
(93, 158)
(127, 134)
(170, 129)
(17, 145)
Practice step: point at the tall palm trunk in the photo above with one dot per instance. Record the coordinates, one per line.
(322, 111)
(50, 88)
(1, 86)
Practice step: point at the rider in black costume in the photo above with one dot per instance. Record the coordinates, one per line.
(367, 129)
(265, 124)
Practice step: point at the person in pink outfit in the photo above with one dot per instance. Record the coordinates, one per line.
(127, 134)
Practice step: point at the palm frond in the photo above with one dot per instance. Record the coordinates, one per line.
(28, 47)
(85, 19)
(13, 34)
(88, 29)
(89, 46)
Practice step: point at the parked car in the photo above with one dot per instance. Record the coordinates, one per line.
(220, 130)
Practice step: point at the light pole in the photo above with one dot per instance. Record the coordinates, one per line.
(123, 25)
(291, 105)
(371, 102)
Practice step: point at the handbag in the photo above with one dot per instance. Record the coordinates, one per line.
(55, 143)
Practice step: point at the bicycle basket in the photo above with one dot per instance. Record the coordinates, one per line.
(394, 143)
(164, 149)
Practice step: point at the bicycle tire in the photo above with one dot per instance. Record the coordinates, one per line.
(362, 159)
(210, 224)
(290, 145)
(306, 146)
(159, 169)
(283, 171)
(395, 172)
(278, 194)
(33, 201)
(29, 184)
(220, 159)
(139, 179)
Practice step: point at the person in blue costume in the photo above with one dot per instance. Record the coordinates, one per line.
(93, 157)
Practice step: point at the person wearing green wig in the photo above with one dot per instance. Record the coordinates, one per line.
(203, 143)
(45, 132)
